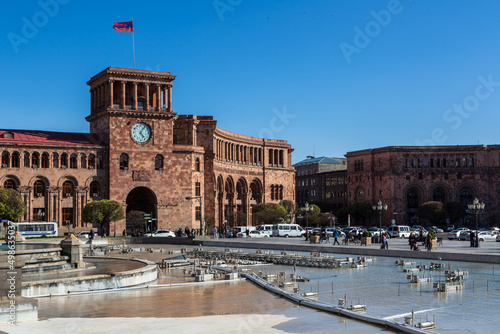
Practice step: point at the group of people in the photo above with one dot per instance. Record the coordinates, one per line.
(412, 241)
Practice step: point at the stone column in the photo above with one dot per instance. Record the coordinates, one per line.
(169, 99)
(135, 95)
(110, 96)
(123, 95)
(92, 100)
(158, 97)
(146, 107)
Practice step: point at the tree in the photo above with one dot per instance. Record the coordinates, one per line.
(319, 219)
(432, 212)
(455, 211)
(269, 213)
(102, 213)
(135, 218)
(11, 204)
(241, 218)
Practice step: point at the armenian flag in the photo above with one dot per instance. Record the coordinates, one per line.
(123, 26)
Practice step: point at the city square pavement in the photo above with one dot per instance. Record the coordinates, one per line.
(450, 250)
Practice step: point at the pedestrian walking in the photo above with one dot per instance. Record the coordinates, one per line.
(215, 233)
(336, 237)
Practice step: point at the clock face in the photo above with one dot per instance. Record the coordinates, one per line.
(141, 132)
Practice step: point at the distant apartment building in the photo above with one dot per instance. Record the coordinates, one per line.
(321, 181)
(404, 177)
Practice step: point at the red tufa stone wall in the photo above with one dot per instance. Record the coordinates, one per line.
(385, 169)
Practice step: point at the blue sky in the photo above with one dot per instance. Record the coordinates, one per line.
(327, 76)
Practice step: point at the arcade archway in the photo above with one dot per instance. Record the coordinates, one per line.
(143, 199)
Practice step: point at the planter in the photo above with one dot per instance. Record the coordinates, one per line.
(367, 241)
(314, 239)
(434, 243)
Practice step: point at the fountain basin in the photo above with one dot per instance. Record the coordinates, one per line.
(145, 272)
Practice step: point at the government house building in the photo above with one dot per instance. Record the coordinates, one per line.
(139, 152)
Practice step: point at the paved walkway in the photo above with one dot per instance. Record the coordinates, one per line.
(450, 250)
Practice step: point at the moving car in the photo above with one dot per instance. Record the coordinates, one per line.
(160, 233)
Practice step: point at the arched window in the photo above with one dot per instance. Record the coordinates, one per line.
(438, 195)
(72, 161)
(67, 189)
(197, 164)
(39, 188)
(64, 160)
(159, 162)
(95, 189)
(124, 161)
(15, 160)
(272, 192)
(44, 162)
(35, 160)
(281, 192)
(5, 159)
(465, 197)
(91, 161)
(412, 199)
(9, 184)
(197, 189)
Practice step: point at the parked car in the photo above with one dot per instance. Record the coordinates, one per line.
(435, 229)
(160, 233)
(485, 236)
(84, 234)
(253, 234)
(330, 230)
(399, 231)
(455, 234)
(464, 235)
(375, 231)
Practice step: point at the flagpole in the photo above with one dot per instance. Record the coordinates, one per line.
(133, 43)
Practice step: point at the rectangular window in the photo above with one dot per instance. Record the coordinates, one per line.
(67, 216)
(431, 163)
(444, 162)
(407, 163)
(198, 213)
(197, 189)
(464, 162)
(471, 162)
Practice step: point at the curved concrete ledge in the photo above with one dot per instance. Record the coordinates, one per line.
(319, 305)
(129, 278)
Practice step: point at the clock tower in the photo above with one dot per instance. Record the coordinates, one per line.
(131, 111)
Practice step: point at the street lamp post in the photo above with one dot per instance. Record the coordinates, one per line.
(380, 207)
(201, 209)
(307, 208)
(476, 207)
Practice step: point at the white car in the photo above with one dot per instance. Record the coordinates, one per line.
(84, 234)
(160, 233)
(253, 234)
(485, 236)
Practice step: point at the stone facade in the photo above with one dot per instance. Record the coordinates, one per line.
(321, 181)
(403, 177)
(146, 157)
